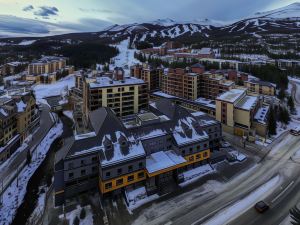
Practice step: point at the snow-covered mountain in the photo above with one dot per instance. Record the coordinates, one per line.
(282, 20)
(290, 11)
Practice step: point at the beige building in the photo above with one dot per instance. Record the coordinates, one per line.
(238, 113)
(124, 95)
(260, 87)
(48, 69)
(18, 118)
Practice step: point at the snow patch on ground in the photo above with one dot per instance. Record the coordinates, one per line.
(46, 90)
(241, 206)
(138, 197)
(88, 220)
(14, 194)
(195, 174)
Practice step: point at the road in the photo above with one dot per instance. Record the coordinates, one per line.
(201, 209)
(18, 159)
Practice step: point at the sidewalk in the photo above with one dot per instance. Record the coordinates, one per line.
(17, 161)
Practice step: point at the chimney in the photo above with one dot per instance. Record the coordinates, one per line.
(119, 74)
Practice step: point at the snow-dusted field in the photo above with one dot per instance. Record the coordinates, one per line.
(241, 206)
(14, 194)
(46, 90)
(70, 216)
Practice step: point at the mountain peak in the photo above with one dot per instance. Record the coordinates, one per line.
(289, 11)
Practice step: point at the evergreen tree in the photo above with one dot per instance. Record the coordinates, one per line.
(272, 122)
(284, 115)
(281, 94)
(291, 104)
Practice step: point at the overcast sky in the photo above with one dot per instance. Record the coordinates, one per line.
(42, 17)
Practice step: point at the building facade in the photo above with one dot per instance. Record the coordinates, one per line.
(151, 149)
(260, 87)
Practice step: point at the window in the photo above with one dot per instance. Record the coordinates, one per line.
(183, 152)
(119, 171)
(198, 147)
(94, 159)
(82, 172)
(119, 182)
(191, 150)
(71, 175)
(198, 156)
(130, 168)
(71, 165)
(94, 168)
(205, 154)
(130, 178)
(107, 174)
(108, 185)
(191, 158)
(82, 162)
(141, 175)
(141, 165)
(205, 145)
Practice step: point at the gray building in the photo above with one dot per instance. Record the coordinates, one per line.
(151, 148)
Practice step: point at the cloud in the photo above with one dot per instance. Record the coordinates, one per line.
(95, 10)
(46, 11)
(20, 27)
(28, 8)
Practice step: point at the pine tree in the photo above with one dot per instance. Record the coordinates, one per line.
(281, 94)
(284, 115)
(291, 104)
(272, 122)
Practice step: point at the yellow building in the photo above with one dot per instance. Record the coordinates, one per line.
(47, 64)
(260, 87)
(236, 110)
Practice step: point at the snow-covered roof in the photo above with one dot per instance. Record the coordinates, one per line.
(247, 102)
(21, 106)
(232, 95)
(163, 160)
(261, 114)
(108, 82)
(185, 132)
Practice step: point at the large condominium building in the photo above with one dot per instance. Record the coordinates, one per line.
(18, 118)
(124, 95)
(239, 113)
(149, 74)
(48, 69)
(260, 87)
(151, 149)
(46, 65)
(181, 83)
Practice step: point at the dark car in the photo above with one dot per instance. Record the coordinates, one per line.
(261, 207)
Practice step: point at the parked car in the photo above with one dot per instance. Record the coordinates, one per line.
(261, 207)
(225, 144)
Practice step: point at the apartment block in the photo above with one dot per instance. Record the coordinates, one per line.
(18, 118)
(181, 83)
(237, 110)
(48, 69)
(150, 149)
(260, 87)
(149, 74)
(124, 95)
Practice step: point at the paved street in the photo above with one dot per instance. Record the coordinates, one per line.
(276, 162)
(19, 158)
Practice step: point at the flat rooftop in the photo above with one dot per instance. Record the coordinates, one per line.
(108, 82)
(147, 116)
(163, 160)
(232, 95)
(247, 103)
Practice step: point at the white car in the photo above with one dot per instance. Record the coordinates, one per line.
(225, 144)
